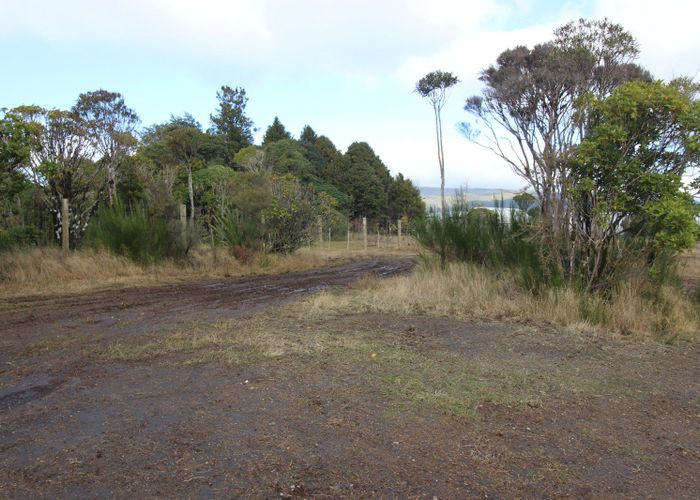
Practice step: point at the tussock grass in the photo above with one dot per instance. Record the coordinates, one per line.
(466, 291)
(49, 271)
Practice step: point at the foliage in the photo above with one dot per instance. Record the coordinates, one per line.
(308, 135)
(214, 186)
(238, 231)
(275, 132)
(60, 162)
(485, 237)
(230, 123)
(404, 199)
(133, 234)
(286, 156)
(111, 125)
(289, 220)
(253, 159)
(627, 181)
(538, 105)
(365, 177)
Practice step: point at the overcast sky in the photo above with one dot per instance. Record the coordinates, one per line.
(347, 68)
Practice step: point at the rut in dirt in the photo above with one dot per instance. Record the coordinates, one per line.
(139, 310)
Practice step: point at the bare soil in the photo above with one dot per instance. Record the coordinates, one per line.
(571, 414)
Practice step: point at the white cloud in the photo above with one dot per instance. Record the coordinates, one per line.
(667, 33)
(380, 48)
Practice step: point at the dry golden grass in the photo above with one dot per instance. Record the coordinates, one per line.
(466, 291)
(49, 271)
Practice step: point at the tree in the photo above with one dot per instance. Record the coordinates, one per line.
(330, 161)
(308, 135)
(254, 159)
(111, 125)
(627, 178)
(287, 157)
(185, 144)
(17, 137)
(434, 86)
(366, 179)
(291, 216)
(534, 113)
(404, 199)
(60, 163)
(230, 123)
(275, 132)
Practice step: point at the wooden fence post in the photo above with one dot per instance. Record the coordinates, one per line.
(320, 231)
(65, 225)
(183, 224)
(364, 230)
(399, 227)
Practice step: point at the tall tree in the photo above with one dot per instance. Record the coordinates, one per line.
(61, 164)
(366, 179)
(275, 132)
(230, 122)
(534, 113)
(329, 166)
(111, 124)
(17, 138)
(434, 87)
(185, 144)
(404, 199)
(308, 135)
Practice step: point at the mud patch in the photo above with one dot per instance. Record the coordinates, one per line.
(15, 398)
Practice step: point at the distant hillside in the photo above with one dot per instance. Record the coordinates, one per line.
(478, 196)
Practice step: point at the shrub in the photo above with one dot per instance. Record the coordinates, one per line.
(492, 238)
(135, 235)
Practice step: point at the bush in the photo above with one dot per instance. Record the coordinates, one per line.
(19, 236)
(240, 232)
(135, 235)
(486, 237)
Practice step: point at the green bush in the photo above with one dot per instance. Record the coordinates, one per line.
(236, 229)
(20, 236)
(134, 234)
(485, 237)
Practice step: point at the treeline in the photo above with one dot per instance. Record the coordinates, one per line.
(125, 184)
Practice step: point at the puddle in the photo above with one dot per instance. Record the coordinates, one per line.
(18, 398)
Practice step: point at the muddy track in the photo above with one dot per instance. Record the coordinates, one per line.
(135, 310)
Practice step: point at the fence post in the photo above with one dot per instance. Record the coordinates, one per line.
(320, 231)
(364, 230)
(65, 225)
(399, 226)
(183, 224)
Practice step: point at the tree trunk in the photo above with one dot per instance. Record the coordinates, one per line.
(190, 189)
(111, 184)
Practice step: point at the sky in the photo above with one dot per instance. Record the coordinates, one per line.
(347, 68)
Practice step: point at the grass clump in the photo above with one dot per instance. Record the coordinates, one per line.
(469, 291)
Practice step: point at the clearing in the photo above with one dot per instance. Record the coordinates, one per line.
(234, 388)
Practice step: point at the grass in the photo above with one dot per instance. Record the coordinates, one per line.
(466, 291)
(49, 271)
(409, 378)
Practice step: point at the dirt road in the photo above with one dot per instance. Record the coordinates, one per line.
(141, 310)
(105, 395)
